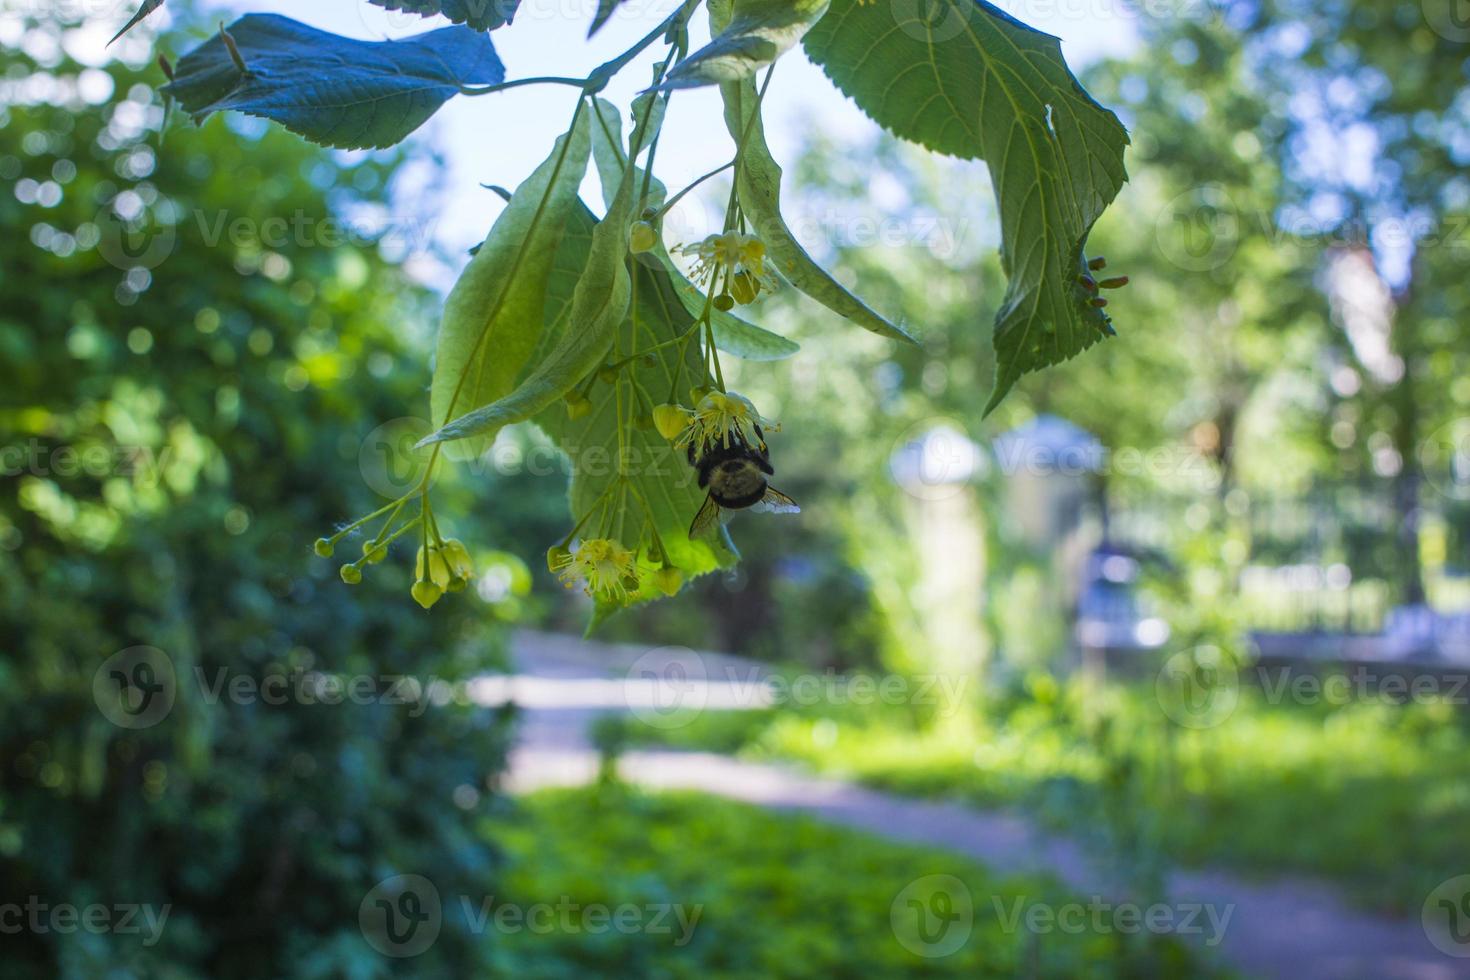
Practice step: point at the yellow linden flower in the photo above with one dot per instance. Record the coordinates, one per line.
(723, 416)
(602, 566)
(741, 259)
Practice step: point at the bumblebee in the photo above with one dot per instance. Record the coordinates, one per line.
(734, 472)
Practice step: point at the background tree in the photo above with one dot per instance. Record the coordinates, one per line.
(194, 360)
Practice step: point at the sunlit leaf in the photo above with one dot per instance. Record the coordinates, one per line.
(482, 15)
(330, 89)
(964, 78)
(750, 35)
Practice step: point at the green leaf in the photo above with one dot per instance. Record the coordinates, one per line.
(599, 304)
(493, 317)
(733, 335)
(751, 35)
(482, 15)
(760, 198)
(332, 90)
(147, 8)
(656, 473)
(962, 77)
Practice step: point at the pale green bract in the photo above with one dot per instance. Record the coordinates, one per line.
(598, 306)
(732, 334)
(493, 316)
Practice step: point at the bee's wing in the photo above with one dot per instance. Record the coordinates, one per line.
(775, 502)
(708, 517)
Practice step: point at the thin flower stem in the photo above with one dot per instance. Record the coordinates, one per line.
(697, 181)
(363, 520)
(517, 83)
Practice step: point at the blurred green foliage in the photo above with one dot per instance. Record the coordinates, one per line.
(181, 417)
(761, 882)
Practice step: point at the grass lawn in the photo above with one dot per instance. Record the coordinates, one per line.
(765, 894)
(1375, 796)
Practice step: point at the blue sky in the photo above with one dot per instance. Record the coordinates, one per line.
(499, 139)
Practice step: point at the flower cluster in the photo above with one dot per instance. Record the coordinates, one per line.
(601, 566)
(442, 565)
(718, 418)
(736, 260)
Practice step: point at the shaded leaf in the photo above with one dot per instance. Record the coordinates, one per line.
(330, 89)
(147, 8)
(605, 10)
(655, 471)
(493, 316)
(482, 15)
(964, 78)
(750, 34)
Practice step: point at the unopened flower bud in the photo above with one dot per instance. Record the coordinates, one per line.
(578, 405)
(670, 420)
(351, 574)
(744, 287)
(642, 237)
(668, 580)
(426, 593)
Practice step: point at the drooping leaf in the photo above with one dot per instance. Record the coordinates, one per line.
(733, 335)
(658, 474)
(760, 197)
(493, 316)
(964, 78)
(751, 35)
(599, 304)
(330, 89)
(147, 8)
(482, 15)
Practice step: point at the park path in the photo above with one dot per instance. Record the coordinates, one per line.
(1288, 927)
